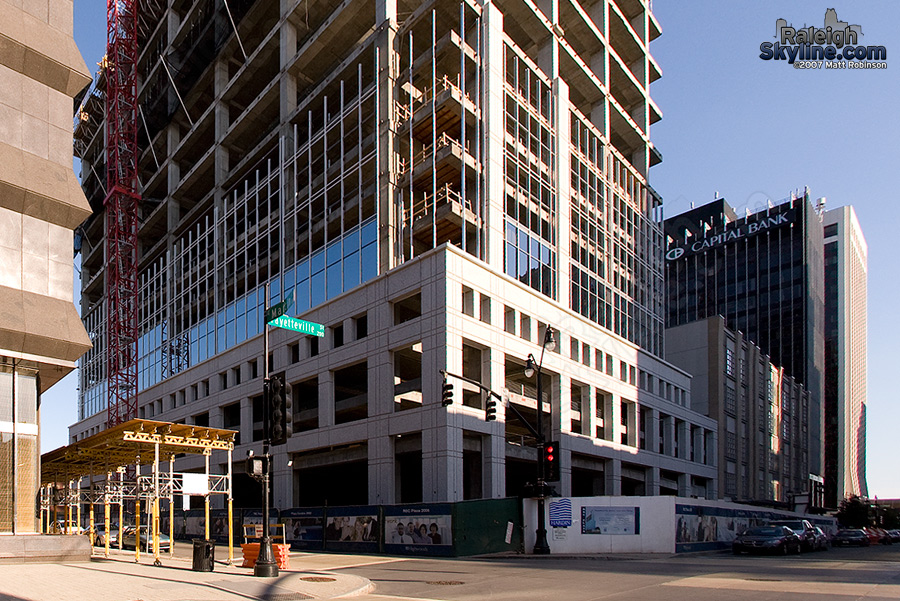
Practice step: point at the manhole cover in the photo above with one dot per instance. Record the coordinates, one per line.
(317, 579)
(444, 582)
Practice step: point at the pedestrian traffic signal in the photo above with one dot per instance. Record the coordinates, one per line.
(447, 394)
(551, 461)
(280, 400)
(491, 409)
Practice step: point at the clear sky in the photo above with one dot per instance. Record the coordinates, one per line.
(751, 130)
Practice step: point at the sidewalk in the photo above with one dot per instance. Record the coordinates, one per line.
(120, 579)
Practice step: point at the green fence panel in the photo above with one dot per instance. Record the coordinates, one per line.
(484, 526)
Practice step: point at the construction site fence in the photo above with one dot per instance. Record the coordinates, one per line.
(429, 529)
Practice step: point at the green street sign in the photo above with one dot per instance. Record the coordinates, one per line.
(279, 309)
(298, 325)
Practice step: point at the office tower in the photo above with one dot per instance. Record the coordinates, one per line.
(845, 355)
(41, 203)
(763, 273)
(437, 184)
(762, 411)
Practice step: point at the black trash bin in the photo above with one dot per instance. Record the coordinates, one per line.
(204, 555)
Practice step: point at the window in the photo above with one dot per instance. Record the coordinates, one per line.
(623, 371)
(586, 354)
(254, 368)
(525, 327)
(575, 349)
(337, 336)
(407, 308)
(362, 326)
(236, 375)
(509, 320)
(223, 380)
(609, 365)
(313, 346)
(468, 301)
(294, 350)
(485, 308)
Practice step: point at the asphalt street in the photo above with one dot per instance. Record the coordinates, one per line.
(839, 574)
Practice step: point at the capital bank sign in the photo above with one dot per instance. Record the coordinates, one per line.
(745, 230)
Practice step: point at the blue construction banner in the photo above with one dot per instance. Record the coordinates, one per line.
(422, 529)
(304, 528)
(355, 529)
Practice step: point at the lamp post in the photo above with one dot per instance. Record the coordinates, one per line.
(540, 543)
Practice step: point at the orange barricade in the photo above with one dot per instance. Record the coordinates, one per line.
(251, 553)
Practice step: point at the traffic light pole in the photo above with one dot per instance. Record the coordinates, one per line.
(265, 564)
(541, 547)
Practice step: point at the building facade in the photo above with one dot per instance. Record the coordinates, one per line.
(845, 355)
(41, 202)
(762, 412)
(764, 274)
(437, 183)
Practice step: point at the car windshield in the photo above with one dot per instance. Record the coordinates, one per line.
(764, 531)
(851, 533)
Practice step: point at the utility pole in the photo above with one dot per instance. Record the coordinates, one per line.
(265, 563)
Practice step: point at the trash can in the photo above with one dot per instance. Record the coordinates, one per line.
(204, 555)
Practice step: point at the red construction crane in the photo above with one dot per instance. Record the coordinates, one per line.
(121, 210)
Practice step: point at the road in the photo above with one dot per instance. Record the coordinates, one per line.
(838, 574)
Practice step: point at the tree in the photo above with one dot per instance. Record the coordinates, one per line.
(853, 513)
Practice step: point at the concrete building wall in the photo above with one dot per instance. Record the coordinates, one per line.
(41, 335)
(846, 351)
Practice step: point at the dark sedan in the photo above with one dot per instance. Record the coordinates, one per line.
(767, 539)
(850, 537)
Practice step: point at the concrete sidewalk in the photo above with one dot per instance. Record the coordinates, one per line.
(119, 578)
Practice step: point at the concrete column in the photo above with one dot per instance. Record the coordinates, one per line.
(381, 383)
(613, 474)
(493, 446)
(326, 399)
(495, 123)
(215, 417)
(651, 481)
(246, 428)
(684, 485)
(381, 471)
(588, 411)
(560, 388)
(684, 440)
(386, 13)
(652, 430)
(698, 439)
(668, 425)
(442, 464)
(288, 48)
(614, 419)
(562, 125)
(712, 444)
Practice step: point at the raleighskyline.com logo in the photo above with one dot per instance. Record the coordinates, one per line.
(835, 45)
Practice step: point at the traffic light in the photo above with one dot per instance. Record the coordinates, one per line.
(551, 461)
(282, 410)
(256, 466)
(446, 393)
(490, 409)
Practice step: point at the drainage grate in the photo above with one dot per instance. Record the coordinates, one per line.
(444, 582)
(317, 579)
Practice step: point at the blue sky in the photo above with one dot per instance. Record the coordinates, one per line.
(750, 130)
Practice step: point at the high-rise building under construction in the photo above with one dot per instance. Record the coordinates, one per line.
(437, 184)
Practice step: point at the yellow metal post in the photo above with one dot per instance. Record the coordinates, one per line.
(155, 518)
(107, 524)
(230, 515)
(68, 505)
(121, 508)
(171, 506)
(91, 517)
(206, 497)
(77, 505)
(137, 526)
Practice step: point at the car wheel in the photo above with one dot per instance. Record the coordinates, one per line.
(799, 549)
(784, 549)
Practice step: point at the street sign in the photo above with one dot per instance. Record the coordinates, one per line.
(279, 309)
(298, 325)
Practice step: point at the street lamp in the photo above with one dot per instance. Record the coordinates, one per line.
(540, 543)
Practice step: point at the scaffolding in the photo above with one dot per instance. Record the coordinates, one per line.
(103, 461)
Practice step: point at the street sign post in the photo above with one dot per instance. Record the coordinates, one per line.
(298, 325)
(279, 309)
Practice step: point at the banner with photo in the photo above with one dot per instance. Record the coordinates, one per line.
(352, 529)
(304, 528)
(419, 529)
(610, 520)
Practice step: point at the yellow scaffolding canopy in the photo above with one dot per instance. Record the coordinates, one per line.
(137, 442)
(128, 444)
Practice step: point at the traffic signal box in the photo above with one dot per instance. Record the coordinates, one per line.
(551, 461)
(281, 402)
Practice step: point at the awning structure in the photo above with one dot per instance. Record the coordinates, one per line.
(131, 443)
(111, 454)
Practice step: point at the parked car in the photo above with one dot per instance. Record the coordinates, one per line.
(146, 539)
(883, 537)
(895, 535)
(821, 539)
(100, 536)
(59, 527)
(804, 529)
(850, 537)
(767, 539)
